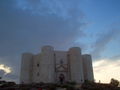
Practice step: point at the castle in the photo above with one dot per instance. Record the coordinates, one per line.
(52, 66)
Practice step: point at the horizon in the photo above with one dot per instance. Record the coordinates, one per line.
(94, 26)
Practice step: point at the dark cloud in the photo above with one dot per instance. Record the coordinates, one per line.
(9, 77)
(2, 73)
(102, 42)
(12, 77)
(26, 25)
(21, 29)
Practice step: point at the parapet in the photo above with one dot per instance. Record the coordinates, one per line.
(75, 50)
(87, 56)
(27, 55)
(47, 48)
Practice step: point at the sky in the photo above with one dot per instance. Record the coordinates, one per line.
(92, 25)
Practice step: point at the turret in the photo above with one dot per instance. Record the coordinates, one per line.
(47, 49)
(48, 64)
(76, 67)
(26, 68)
(87, 67)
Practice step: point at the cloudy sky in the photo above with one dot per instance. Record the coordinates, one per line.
(93, 25)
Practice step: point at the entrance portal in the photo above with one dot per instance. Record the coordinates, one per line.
(61, 78)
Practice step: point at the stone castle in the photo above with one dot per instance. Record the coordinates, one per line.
(52, 66)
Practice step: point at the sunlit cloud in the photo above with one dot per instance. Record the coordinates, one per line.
(106, 69)
(6, 69)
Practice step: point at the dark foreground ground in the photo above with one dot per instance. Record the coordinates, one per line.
(66, 86)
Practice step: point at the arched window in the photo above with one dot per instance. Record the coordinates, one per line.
(38, 65)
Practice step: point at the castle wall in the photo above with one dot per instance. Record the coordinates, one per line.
(61, 65)
(49, 64)
(61, 55)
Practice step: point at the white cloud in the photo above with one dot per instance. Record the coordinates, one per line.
(106, 69)
(6, 69)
